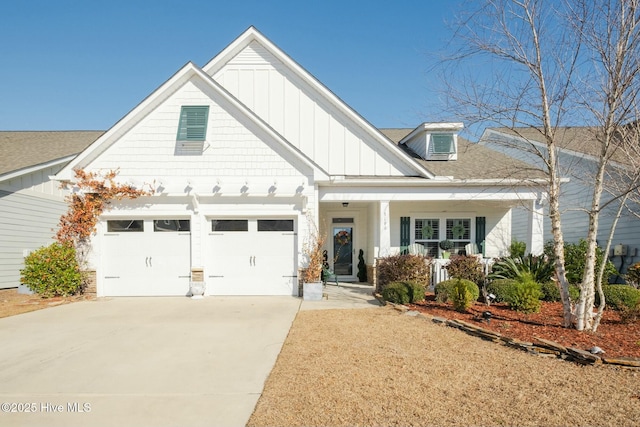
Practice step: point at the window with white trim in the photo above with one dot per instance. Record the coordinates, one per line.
(427, 232)
(442, 143)
(458, 230)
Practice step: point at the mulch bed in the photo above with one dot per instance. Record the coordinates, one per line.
(617, 339)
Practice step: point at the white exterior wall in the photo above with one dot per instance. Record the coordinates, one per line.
(30, 209)
(294, 110)
(233, 154)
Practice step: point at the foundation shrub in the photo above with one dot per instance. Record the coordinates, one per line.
(415, 290)
(461, 296)
(517, 249)
(396, 292)
(620, 297)
(53, 271)
(465, 267)
(551, 292)
(403, 268)
(444, 290)
(525, 297)
(501, 288)
(575, 255)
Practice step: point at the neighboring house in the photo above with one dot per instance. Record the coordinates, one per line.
(251, 152)
(30, 203)
(577, 161)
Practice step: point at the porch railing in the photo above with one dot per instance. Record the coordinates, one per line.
(439, 272)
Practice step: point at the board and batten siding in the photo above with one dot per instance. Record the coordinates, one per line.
(27, 222)
(303, 117)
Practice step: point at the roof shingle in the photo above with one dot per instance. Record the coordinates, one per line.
(23, 149)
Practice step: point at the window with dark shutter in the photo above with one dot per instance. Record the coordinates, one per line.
(192, 129)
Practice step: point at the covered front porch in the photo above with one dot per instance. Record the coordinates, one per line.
(362, 226)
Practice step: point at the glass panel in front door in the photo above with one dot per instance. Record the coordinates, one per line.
(343, 251)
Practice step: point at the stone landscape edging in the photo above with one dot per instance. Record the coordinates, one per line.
(540, 347)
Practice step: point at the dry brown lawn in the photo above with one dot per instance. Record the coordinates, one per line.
(379, 367)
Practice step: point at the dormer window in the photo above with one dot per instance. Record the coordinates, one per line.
(442, 143)
(192, 130)
(434, 141)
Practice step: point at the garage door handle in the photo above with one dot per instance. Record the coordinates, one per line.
(111, 277)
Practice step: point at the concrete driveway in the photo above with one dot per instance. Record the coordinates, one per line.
(141, 361)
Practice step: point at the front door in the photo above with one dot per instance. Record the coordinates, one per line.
(343, 249)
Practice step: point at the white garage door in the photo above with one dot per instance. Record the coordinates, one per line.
(251, 257)
(147, 257)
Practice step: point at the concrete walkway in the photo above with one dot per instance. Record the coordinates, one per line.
(148, 361)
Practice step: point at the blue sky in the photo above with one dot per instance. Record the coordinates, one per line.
(83, 65)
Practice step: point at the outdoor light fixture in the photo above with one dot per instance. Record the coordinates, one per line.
(487, 315)
(345, 204)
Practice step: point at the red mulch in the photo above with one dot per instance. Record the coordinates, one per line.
(617, 339)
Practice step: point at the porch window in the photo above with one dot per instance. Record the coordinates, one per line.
(427, 232)
(458, 230)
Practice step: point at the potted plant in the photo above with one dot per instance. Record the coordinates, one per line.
(311, 274)
(446, 245)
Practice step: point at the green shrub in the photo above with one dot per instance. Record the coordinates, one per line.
(415, 290)
(403, 268)
(465, 267)
(461, 296)
(540, 268)
(501, 288)
(575, 255)
(444, 289)
(620, 297)
(396, 292)
(551, 292)
(517, 249)
(525, 297)
(52, 271)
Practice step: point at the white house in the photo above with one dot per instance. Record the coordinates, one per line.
(577, 161)
(250, 152)
(30, 203)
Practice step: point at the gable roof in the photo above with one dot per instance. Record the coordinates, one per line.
(474, 161)
(185, 74)
(252, 35)
(22, 150)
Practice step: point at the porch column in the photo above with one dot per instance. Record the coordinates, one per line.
(384, 229)
(535, 232)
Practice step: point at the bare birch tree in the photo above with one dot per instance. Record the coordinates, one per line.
(555, 63)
